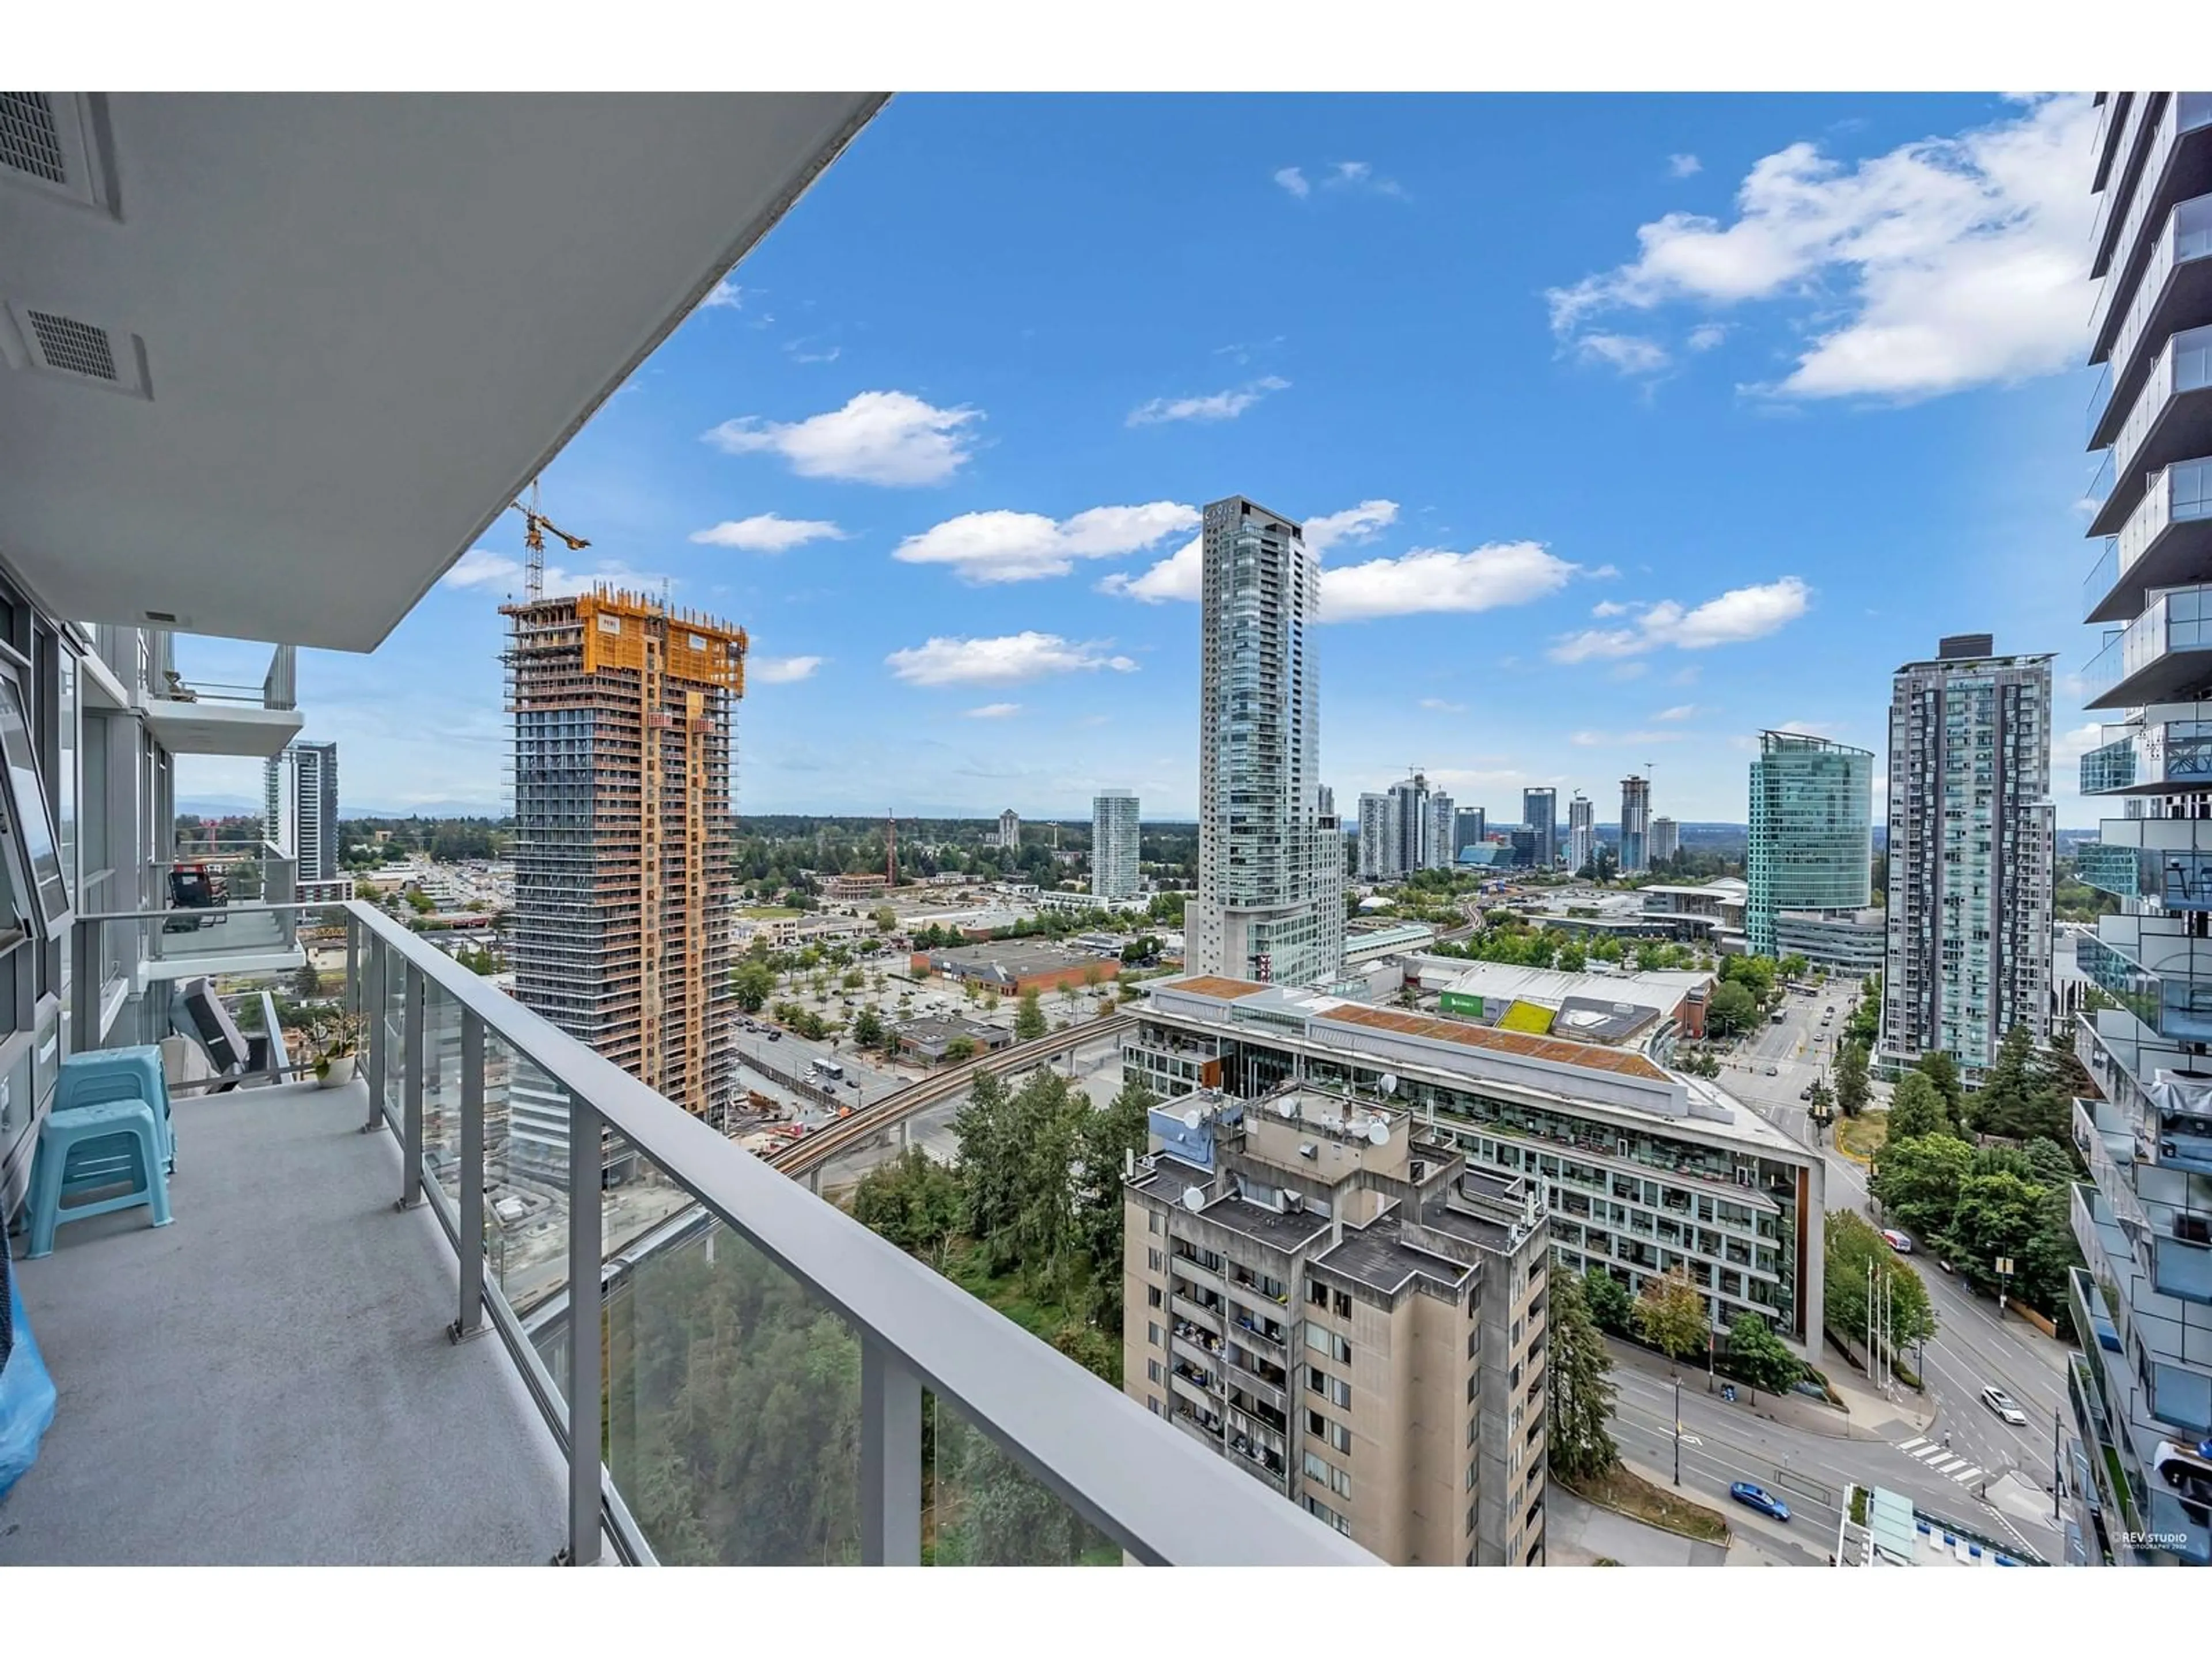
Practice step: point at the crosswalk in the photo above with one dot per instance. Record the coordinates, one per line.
(1935, 1456)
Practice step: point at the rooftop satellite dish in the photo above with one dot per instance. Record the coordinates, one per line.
(1388, 1083)
(1379, 1132)
(1194, 1198)
(1192, 1117)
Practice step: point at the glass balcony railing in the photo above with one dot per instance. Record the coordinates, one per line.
(2163, 656)
(2182, 245)
(2166, 538)
(2176, 1001)
(2147, 759)
(2170, 420)
(2119, 190)
(2178, 878)
(2182, 115)
(647, 1266)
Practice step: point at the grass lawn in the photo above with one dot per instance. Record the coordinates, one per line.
(1630, 1494)
(1860, 1138)
(768, 912)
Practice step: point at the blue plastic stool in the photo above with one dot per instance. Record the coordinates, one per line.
(89, 1148)
(132, 1073)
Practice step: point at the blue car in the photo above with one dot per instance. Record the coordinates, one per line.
(1761, 1499)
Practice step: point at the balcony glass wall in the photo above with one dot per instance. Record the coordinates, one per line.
(2156, 655)
(2176, 1003)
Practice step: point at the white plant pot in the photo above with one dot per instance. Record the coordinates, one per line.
(340, 1073)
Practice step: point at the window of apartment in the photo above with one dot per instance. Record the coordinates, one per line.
(1317, 1380)
(1317, 1293)
(1152, 1371)
(1470, 1527)
(1151, 1296)
(1340, 1393)
(1473, 1387)
(1151, 1221)
(1317, 1468)
(1153, 1401)
(1340, 1436)
(1473, 1464)
(1153, 1334)
(1153, 1259)
(1344, 1304)
(1472, 1423)
(1473, 1341)
(30, 817)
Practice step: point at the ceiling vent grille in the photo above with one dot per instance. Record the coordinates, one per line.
(72, 347)
(30, 139)
(56, 143)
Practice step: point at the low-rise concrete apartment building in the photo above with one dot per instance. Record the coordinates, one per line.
(851, 888)
(1015, 966)
(1347, 1311)
(1642, 1169)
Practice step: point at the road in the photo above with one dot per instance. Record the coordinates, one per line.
(1724, 1443)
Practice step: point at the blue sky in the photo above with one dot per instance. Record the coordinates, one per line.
(1633, 424)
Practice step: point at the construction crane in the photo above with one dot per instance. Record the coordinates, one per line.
(536, 524)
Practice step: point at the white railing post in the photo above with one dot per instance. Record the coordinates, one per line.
(410, 1174)
(470, 1241)
(584, 1336)
(890, 1459)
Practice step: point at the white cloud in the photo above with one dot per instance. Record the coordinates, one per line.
(1352, 172)
(1630, 671)
(1293, 179)
(1426, 580)
(768, 533)
(1810, 728)
(1681, 711)
(781, 670)
(1608, 608)
(1681, 167)
(798, 353)
(2069, 746)
(1945, 264)
(1219, 406)
(1012, 547)
(1740, 614)
(1632, 354)
(1443, 708)
(1705, 335)
(481, 567)
(1006, 660)
(995, 711)
(1619, 740)
(1355, 523)
(1430, 579)
(878, 438)
(724, 293)
(1342, 175)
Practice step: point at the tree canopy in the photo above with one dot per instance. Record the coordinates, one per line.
(1670, 1314)
(1581, 1395)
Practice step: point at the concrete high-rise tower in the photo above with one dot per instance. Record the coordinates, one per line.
(1270, 904)
(1970, 828)
(1540, 813)
(1635, 825)
(1114, 842)
(300, 787)
(2142, 1310)
(1411, 822)
(1581, 834)
(624, 898)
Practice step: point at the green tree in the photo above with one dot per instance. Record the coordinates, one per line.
(752, 984)
(1028, 1019)
(868, 1029)
(1851, 1080)
(1940, 1069)
(1997, 1215)
(854, 979)
(960, 1049)
(912, 1201)
(1757, 1355)
(1581, 1394)
(1731, 1012)
(1917, 1109)
(1918, 1182)
(2024, 1096)
(1794, 966)
(1670, 1314)
(1852, 1245)
(1608, 1302)
(886, 919)
(306, 984)
(1821, 1102)
(989, 1176)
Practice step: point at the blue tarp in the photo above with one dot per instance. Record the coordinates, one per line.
(27, 1392)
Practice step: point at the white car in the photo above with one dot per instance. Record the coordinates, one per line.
(2002, 1403)
(1897, 1241)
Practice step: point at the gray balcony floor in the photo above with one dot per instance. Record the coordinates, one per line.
(267, 1379)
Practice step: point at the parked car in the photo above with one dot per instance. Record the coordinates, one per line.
(1759, 1498)
(1897, 1241)
(1805, 1093)
(2003, 1405)
(1774, 1071)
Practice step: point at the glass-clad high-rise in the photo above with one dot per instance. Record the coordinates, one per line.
(2140, 1388)
(1811, 845)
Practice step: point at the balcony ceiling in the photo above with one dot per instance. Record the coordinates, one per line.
(363, 324)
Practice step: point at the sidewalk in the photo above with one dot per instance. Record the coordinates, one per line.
(1578, 1533)
(1866, 1415)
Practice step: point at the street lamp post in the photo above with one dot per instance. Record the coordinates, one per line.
(2004, 1280)
(1678, 1431)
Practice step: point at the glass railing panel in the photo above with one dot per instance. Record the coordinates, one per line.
(527, 1178)
(733, 1402)
(2109, 767)
(981, 1508)
(2102, 576)
(441, 1086)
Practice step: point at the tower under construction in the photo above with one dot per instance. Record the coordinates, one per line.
(624, 902)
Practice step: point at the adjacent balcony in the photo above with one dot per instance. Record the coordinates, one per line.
(2170, 420)
(2177, 164)
(2164, 655)
(2173, 999)
(2161, 757)
(2167, 539)
(2178, 878)
(2175, 290)
(303, 1360)
(209, 717)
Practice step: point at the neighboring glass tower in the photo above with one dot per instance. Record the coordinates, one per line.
(1635, 825)
(300, 786)
(1968, 952)
(1539, 810)
(1811, 846)
(1270, 883)
(1581, 834)
(2141, 1388)
(1114, 841)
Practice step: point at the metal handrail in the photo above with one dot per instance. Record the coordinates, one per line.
(1161, 1499)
